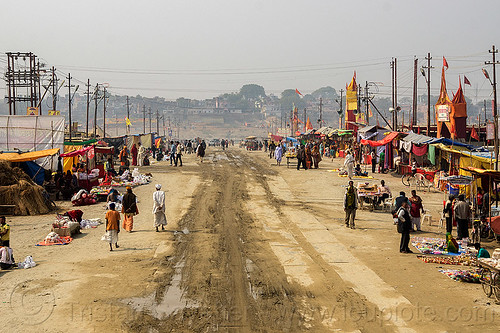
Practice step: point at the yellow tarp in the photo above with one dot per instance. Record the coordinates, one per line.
(26, 157)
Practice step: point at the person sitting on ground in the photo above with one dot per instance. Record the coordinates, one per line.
(108, 166)
(4, 232)
(112, 196)
(112, 226)
(385, 192)
(6, 258)
(358, 172)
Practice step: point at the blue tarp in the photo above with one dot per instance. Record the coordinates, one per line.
(34, 170)
(291, 139)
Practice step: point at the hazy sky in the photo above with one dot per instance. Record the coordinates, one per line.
(201, 48)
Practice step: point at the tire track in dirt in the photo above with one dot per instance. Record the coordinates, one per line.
(339, 295)
(229, 274)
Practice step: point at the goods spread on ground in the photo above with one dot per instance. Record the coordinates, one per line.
(427, 245)
(128, 178)
(463, 260)
(471, 276)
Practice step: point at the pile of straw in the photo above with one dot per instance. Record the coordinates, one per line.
(16, 188)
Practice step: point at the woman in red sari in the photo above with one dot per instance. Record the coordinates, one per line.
(133, 151)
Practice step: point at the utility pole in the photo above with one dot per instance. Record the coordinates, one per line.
(88, 107)
(149, 109)
(144, 119)
(396, 91)
(341, 110)
(96, 96)
(494, 51)
(484, 108)
(392, 96)
(305, 120)
(157, 124)
(163, 118)
(128, 115)
(104, 114)
(54, 89)
(320, 112)
(413, 121)
(428, 67)
(367, 101)
(69, 106)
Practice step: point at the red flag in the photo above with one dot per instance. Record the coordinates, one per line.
(445, 63)
(466, 80)
(298, 92)
(473, 134)
(485, 72)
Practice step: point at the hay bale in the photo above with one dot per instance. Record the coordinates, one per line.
(16, 188)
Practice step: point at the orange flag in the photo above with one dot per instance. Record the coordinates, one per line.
(298, 92)
(445, 63)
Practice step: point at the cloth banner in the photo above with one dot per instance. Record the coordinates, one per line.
(419, 151)
(405, 145)
(432, 154)
(33, 133)
(352, 100)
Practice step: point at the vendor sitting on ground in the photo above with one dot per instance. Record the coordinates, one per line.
(112, 196)
(358, 172)
(110, 170)
(384, 191)
(6, 258)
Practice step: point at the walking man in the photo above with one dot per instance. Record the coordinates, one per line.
(462, 215)
(350, 204)
(178, 154)
(349, 164)
(404, 226)
(112, 226)
(374, 160)
(415, 209)
(159, 208)
(301, 157)
(129, 209)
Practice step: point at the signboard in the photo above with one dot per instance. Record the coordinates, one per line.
(32, 111)
(443, 112)
(54, 113)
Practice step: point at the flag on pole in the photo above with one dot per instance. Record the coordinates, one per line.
(127, 122)
(474, 134)
(466, 80)
(370, 113)
(298, 92)
(445, 63)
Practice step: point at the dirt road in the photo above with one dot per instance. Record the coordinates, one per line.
(251, 247)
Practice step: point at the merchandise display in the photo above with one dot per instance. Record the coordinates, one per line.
(470, 276)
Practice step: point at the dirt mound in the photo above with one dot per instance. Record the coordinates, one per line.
(17, 189)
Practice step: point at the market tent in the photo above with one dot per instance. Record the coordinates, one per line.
(388, 138)
(36, 172)
(78, 152)
(373, 132)
(289, 138)
(30, 156)
(417, 138)
(276, 137)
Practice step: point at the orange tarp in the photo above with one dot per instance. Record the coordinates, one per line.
(26, 157)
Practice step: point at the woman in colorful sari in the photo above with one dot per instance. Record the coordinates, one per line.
(129, 209)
